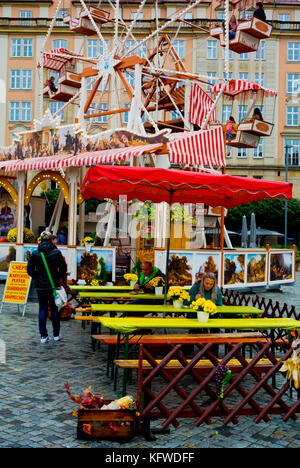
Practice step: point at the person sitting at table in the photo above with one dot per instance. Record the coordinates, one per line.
(149, 272)
(207, 288)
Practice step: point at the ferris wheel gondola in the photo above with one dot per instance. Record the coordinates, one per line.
(251, 128)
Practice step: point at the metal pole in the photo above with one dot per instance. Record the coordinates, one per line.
(286, 202)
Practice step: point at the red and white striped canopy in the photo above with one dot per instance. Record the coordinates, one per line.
(57, 58)
(83, 159)
(200, 106)
(204, 148)
(235, 87)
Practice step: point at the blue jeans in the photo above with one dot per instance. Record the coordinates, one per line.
(46, 298)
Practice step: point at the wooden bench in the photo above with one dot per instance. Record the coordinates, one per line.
(218, 338)
(263, 365)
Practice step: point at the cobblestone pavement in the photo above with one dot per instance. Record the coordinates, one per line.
(35, 410)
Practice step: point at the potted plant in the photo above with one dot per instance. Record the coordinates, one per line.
(178, 296)
(88, 243)
(131, 278)
(158, 283)
(204, 309)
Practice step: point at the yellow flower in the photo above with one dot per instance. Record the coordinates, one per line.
(130, 277)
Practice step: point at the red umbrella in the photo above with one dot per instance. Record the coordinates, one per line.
(173, 186)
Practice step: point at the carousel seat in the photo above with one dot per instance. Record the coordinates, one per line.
(247, 37)
(71, 79)
(63, 94)
(256, 127)
(83, 24)
(244, 140)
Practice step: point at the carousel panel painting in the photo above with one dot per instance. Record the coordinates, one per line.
(96, 264)
(256, 268)
(281, 267)
(180, 269)
(7, 255)
(8, 217)
(234, 269)
(207, 263)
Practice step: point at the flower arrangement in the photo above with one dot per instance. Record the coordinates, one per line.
(176, 293)
(86, 240)
(204, 305)
(130, 277)
(29, 236)
(157, 282)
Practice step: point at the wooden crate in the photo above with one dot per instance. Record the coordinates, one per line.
(100, 422)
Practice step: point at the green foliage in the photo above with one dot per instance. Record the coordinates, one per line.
(51, 196)
(269, 214)
(101, 273)
(137, 269)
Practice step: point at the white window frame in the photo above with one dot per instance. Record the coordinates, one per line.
(292, 84)
(242, 112)
(59, 44)
(179, 46)
(293, 52)
(28, 47)
(15, 78)
(226, 112)
(293, 157)
(284, 17)
(261, 46)
(212, 49)
(16, 47)
(293, 113)
(242, 153)
(258, 150)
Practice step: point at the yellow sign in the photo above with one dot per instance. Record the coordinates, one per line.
(17, 284)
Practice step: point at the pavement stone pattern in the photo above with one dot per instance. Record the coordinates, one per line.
(35, 410)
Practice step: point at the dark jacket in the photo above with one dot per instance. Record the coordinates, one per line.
(259, 13)
(56, 264)
(142, 280)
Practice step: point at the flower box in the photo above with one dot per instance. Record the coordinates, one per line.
(119, 425)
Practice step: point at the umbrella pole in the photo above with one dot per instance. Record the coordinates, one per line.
(168, 247)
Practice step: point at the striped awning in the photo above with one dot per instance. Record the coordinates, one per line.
(57, 58)
(204, 148)
(82, 159)
(235, 87)
(200, 106)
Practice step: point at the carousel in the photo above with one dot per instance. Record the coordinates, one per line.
(170, 124)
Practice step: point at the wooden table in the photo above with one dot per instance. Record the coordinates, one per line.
(130, 324)
(167, 309)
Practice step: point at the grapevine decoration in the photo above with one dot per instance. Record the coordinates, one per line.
(222, 376)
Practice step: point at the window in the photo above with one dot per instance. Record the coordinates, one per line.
(291, 148)
(242, 153)
(25, 15)
(230, 54)
(27, 79)
(129, 78)
(221, 15)
(242, 112)
(179, 47)
(139, 19)
(93, 109)
(226, 112)
(258, 152)
(292, 115)
(141, 51)
(16, 48)
(292, 85)
(59, 44)
(244, 56)
(211, 49)
(27, 48)
(293, 51)
(92, 48)
(126, 114)
(20, 79)
(20, 111)
(189, 18)
(15, 79)
(229, 75)
(284, 19)
(211, 77)
(55, 106)
(62, 13)
(262, 49)
(243, 76)
(260, 81)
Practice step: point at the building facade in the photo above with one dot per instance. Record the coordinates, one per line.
(276, 65)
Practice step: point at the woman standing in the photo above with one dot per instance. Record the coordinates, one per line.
(36, 269)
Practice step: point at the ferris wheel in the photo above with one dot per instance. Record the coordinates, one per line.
(150, 69)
